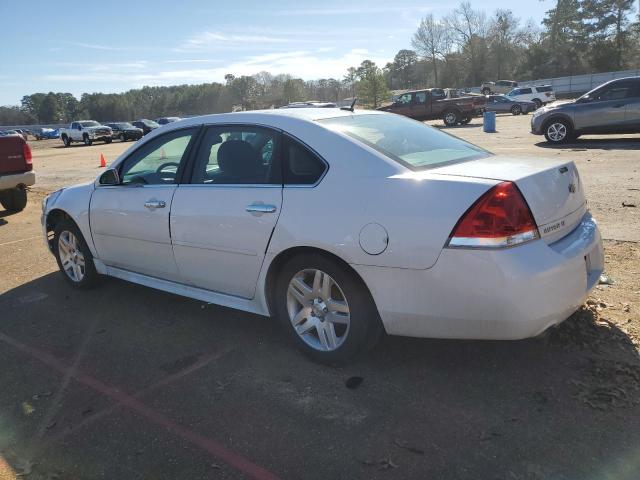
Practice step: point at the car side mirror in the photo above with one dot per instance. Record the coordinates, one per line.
(110, 177)
(585, 99)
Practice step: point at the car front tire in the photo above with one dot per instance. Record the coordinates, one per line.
(87, 141)
(325, 309)
(558, 131)
(73, 256)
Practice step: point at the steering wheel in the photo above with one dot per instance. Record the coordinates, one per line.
(167, 164)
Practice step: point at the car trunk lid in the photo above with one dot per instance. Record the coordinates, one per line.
(12, 155)
(551, 188)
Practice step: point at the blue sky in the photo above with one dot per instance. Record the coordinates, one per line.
(94, 46)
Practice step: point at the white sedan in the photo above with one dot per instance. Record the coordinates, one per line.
(340, 224)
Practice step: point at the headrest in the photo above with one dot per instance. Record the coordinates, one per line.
(239, 158)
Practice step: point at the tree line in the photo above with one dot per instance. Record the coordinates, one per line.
(463, 47)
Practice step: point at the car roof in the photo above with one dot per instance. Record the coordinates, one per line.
(303, 114)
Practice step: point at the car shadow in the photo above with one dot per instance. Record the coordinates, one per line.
(596, 144)
(412, 400)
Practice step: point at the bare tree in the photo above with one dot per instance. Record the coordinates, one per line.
(430, 41)
(469, 28)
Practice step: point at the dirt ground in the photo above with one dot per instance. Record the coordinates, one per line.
(127, 382)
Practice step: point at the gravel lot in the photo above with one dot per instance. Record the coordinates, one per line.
(127, 382)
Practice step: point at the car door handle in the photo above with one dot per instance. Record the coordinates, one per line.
(153, 204)
(260, 208)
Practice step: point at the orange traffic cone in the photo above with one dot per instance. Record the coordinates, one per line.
(103, 162)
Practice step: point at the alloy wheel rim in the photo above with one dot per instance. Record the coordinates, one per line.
(557, 132)
(318, 310)
(71, 258)
(451, 118)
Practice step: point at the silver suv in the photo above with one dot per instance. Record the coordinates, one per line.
(613, 107)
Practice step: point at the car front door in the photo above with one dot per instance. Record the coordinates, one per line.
(130, 221)
(420, 105)
(402, 106)
(222, 220)
(605, 109)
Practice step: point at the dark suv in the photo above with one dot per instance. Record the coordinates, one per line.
(613, 107)
(145, 125)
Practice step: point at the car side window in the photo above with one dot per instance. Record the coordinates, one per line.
(404, 99)
(437, 93)
(524, 91)
(301, 166)
(238, 155)
(420, 97)
(157, 162)
(617, 91)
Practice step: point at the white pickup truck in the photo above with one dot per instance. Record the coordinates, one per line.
(86, 131)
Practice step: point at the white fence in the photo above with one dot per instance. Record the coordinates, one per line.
(579, 83)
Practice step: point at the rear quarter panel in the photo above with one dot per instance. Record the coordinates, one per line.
(417, 210)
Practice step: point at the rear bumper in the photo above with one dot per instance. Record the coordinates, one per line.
(503, 294)
(15, 179)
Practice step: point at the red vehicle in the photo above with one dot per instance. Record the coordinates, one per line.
(432, 103)
(16, 172)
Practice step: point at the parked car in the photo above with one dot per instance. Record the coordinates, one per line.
(540, 95)
(50, 133)
(611, 108)
(145, 125)
(86, 131)
(16, 172)
(499, 87)
(12, 133)
(364, 222)
(165, 120)
(504, 104)
(432, 103)
(22, 132)
(124, 131)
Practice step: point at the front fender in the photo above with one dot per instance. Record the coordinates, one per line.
(75, 202)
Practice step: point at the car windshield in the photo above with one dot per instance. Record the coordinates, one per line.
(125, 125)
(411, 143)
(90, 124)
(150, 123)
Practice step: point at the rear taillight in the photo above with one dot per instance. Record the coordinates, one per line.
(26, 154)
(547, 94)
(499, 218)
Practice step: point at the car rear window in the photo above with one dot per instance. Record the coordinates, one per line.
(413, 144)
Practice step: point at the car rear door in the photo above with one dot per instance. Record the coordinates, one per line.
(130, 221)
(632, 112)
(223, 218)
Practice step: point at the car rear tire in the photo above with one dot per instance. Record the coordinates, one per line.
(450, 118)
(538, 102)
(558, 131)
(325, 309)
(486, 91)
(108, 140)
(87, 141)
(516, 110)
(14, 200)
(122, 137)
(73, 256)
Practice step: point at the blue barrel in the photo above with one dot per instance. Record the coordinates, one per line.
(489, 122)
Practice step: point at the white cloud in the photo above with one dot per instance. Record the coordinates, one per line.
(94, 46)
(205, 40)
